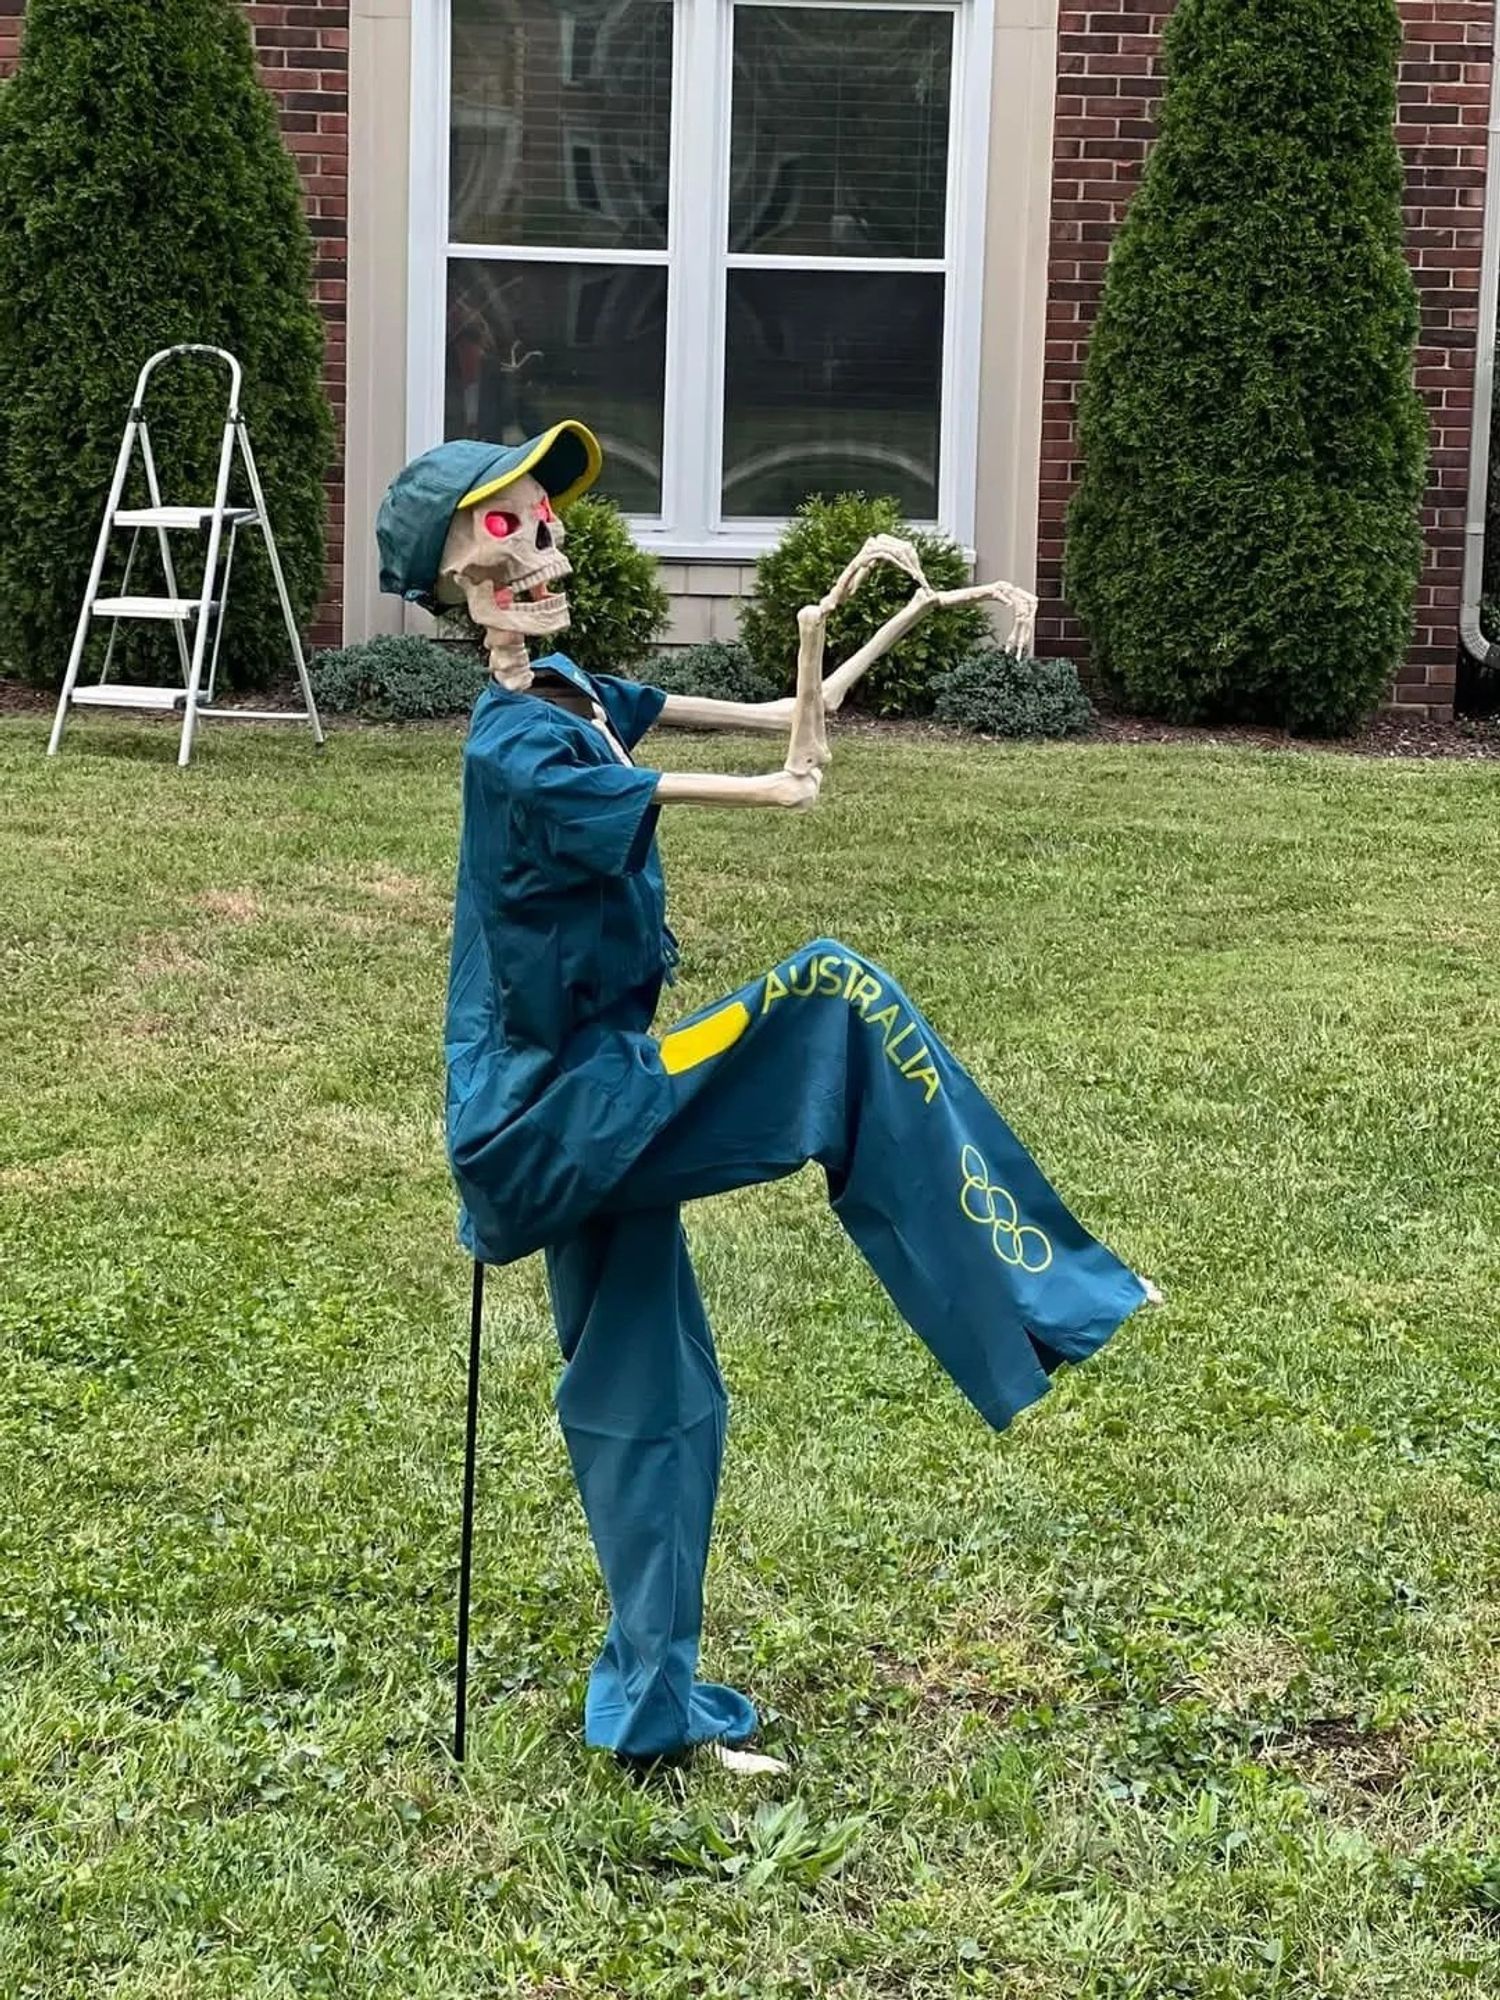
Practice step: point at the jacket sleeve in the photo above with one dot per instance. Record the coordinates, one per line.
(632, 707)
(578, 819)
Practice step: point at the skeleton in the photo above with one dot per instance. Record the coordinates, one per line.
(504, 559)
(619, 1285)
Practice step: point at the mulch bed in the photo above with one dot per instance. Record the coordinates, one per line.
(18, 699)
(1386, 735)
(1390, 734)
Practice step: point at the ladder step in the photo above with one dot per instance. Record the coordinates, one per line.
(182, 517)
(178, 608)
(118, 694)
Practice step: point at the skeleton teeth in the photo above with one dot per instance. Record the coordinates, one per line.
(553, 570)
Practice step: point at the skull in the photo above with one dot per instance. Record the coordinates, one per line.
(502, 557)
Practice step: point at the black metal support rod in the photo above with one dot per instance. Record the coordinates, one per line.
(466, 1558)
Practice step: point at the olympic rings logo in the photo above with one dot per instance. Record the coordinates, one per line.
(994, 1208)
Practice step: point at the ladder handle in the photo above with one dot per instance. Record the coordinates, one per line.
(192, 347)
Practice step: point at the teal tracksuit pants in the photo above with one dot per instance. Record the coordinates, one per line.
(824, 1059)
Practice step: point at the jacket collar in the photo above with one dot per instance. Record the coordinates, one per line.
(559, 663)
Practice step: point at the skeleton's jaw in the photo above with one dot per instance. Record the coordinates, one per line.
(524, 607)
(527, 596)
(532, 617)
(507, 627)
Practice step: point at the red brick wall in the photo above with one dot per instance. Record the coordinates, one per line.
(303, 52)
(10, 33)
(1107, 89)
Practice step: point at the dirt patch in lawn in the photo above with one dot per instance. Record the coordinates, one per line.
(1334, 1753)
(231, 906)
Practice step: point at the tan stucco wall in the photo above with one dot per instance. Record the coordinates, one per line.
(1022, 94)
(1010, 408)
(375, 450)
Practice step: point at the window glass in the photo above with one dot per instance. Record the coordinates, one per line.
(561, 123)
(531, 342)
(832, 384)
(839, 132)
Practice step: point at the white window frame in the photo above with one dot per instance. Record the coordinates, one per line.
(690, 526)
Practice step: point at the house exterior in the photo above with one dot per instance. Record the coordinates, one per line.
(767, 247)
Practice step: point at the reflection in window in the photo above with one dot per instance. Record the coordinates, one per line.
(832, 383)
(528, 342)
(532, 84)
(839, 132)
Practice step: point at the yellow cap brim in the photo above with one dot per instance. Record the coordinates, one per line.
(567, 482)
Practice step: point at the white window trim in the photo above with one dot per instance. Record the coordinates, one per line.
(702, 67)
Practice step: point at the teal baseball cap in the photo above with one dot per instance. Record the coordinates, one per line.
(417, 511)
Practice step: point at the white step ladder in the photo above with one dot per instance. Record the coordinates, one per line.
(190, 617)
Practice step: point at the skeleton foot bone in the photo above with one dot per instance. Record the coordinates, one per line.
(747, 1763)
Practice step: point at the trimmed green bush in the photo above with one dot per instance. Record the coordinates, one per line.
(399, 678)
(145, 199)
(724, 672)
(823, 536)
(1244, 543)
(619, 609)
(993, 693)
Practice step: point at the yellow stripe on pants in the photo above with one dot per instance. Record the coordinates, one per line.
(686, 1048)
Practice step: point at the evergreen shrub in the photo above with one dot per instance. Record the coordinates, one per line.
(146, 199)
(800, 570)
(619, 609)
(1244, 542)
(993, 693)
(399, 678)
(722, 671)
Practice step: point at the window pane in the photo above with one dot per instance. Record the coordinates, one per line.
(839, 141)
(832, 383)
(529, 344)
(562, 123)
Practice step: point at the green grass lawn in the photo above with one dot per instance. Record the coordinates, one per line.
(1189, 1685)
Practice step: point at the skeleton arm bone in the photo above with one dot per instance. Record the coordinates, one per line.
(794, 789)
(800, 779)
(703, 712)
(692, 711)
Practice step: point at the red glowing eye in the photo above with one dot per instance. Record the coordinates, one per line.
(545, 510)
(501, 525)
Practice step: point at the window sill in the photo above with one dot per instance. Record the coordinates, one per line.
(745, 545)
(733, 547)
